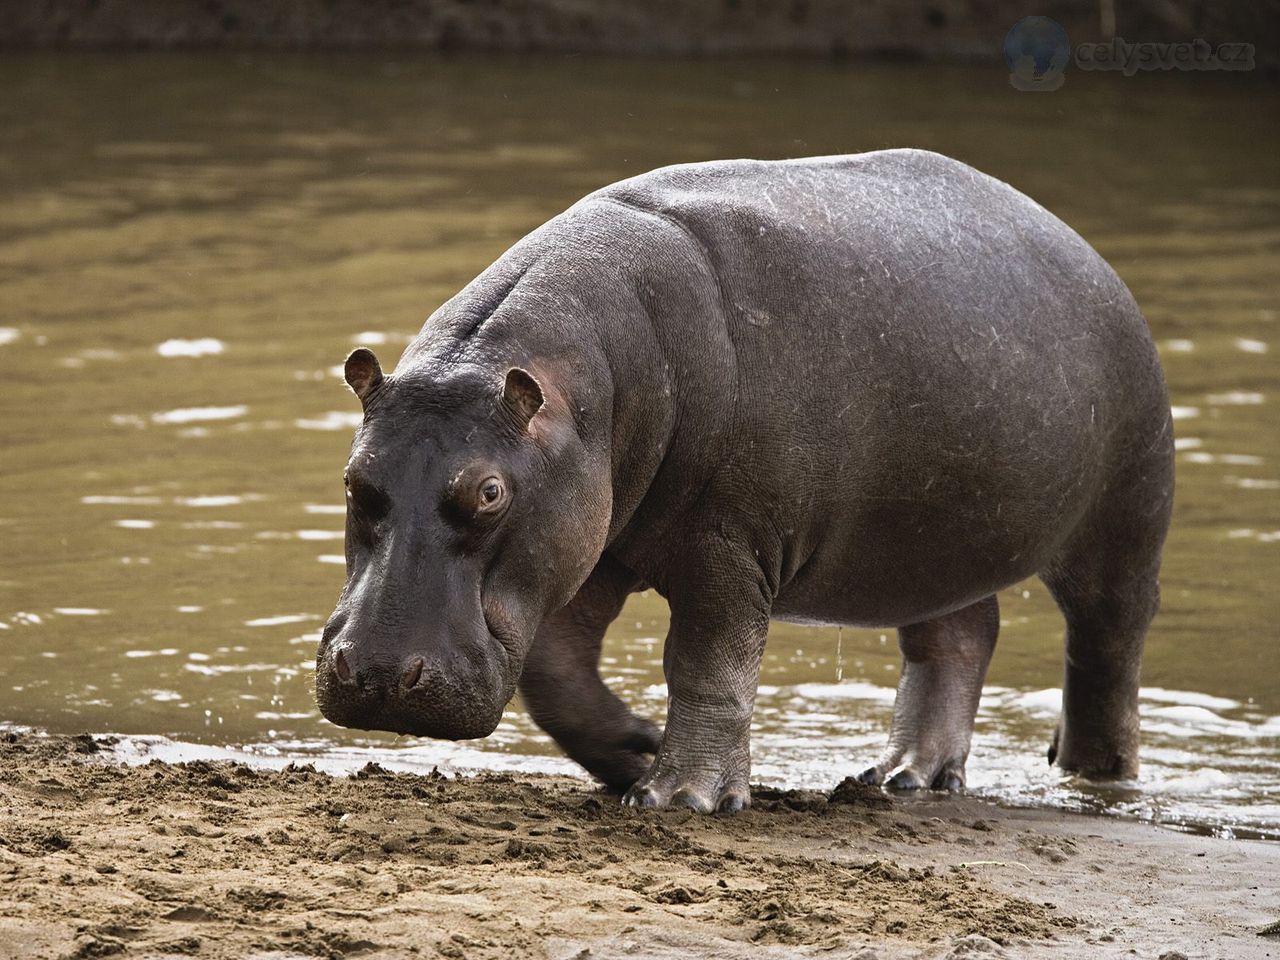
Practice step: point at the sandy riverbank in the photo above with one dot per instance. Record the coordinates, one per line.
(220, 860)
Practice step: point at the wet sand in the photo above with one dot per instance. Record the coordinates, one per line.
(221, 860)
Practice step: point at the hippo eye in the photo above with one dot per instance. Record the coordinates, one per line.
(490, 492)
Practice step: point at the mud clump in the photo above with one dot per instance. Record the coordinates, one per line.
(855, 793)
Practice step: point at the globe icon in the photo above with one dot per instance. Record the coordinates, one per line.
(1036, 50)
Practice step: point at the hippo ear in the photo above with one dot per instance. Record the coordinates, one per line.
(363, 372)
(521, 395)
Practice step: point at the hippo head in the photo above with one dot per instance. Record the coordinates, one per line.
(474, 509)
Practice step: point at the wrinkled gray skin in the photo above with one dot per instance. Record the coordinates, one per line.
(868, 390)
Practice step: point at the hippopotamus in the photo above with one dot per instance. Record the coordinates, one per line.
(867, 390)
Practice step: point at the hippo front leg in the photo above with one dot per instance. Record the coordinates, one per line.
(712, 663)
(564, 694)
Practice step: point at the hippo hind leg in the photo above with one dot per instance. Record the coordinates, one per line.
(1105, 579)
(944, 662)
(562, 689)
(1108, 597)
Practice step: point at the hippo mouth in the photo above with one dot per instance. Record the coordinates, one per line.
(462, 698)
(505, 639)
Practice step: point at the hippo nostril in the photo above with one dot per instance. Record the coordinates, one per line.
(413, 674)
(341, 667)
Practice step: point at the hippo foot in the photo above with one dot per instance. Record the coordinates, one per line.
(703, 793)
(918, 774)
(707, 771)
(1103, 756)
(613, 744)
(618, 762)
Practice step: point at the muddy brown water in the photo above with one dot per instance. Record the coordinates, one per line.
(190, 243)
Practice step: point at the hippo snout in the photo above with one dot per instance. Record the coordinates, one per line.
(411, 693)
(347, 674)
